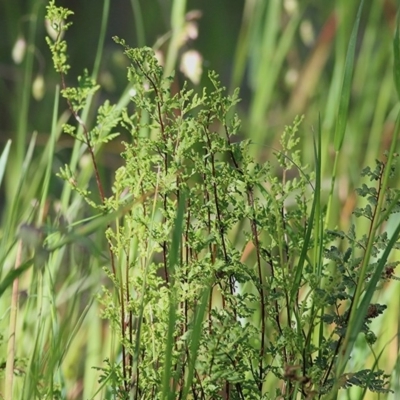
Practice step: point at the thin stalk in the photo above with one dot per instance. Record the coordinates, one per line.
(8, 394)
(77, 149)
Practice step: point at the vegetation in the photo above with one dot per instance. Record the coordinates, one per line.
(212, 261)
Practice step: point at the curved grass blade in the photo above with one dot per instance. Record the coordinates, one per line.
(14, 274)
(3, 159)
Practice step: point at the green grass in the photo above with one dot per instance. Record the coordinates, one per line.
(348, 88)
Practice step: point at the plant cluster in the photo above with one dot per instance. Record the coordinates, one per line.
(224, 276)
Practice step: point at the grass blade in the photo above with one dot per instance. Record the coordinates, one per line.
(195, 340)
(174, 260)
(396, 56)
(3, 159)
(342, 116)
(177, 25)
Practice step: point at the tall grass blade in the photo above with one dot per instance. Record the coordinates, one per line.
(311, 221)
(24, 102)
(16, 207)
(271, 53)
(102, 36)
(195, 340)
(12, 331)
(3, 159)
(50, 156)
(342, 116)
(177, 25)
(396, 56)
(138, 16)
(173, 260)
